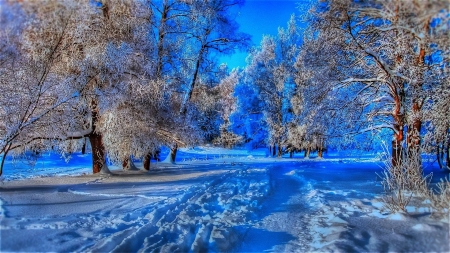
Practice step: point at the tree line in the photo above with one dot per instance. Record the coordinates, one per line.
(357, 75)
(129, 77)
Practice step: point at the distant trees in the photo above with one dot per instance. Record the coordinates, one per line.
(364, 70)
(247, 121)
(228, 106)
(271, 71)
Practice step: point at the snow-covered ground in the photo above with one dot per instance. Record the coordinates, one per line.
(209, 201)
(54, 165)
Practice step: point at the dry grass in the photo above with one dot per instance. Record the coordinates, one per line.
(406, 180)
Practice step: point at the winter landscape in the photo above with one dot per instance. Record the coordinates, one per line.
(224, 126)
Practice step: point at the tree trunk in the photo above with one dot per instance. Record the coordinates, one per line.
(438, 156)
(147, 159)
(161, 35)
(3, 159)
(125, 163)
(413, 138)
(291, 153)
(280, 150)
(156, 155)
(320, 153)
(188, 95)
(98, 152)
(398, 127)
(83, 148)
(274, 150)
(173, 153)
(308, 152)
(447, 160)
(98, 149)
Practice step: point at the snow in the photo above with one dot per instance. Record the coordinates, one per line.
(236, 201)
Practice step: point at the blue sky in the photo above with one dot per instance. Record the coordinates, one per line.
(262, 17)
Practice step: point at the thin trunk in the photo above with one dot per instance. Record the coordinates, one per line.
(414, 130)
(156, 155)
(398, 95)
(308, 152)
(83, 148)
(173, 153)
(280, 150)
(291, 153)
(128, 164)
(447, 160)
(270, 150)
(161, 35)
(274, 151)
(147, 159)
(188, 95)
(438, 156)
(398, 127)
(125, 163)
(397, 148)
(3, 159)
(320, 152)
(413, 139)
(398, 137)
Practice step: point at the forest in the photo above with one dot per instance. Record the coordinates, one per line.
(122, 80)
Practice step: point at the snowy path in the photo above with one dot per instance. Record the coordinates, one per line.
(249, 207)
(197, 214)
(281, 226)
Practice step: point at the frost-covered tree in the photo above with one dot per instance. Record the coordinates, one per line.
(436, 114)
(74, 58)
(228, 106)
(111, 72)
(436, 109)
(188, 35)
(34, 97)
(310, 126)
(157, 72)
(271, 71)
(247, 121)
(213, 31)
(376, 60)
